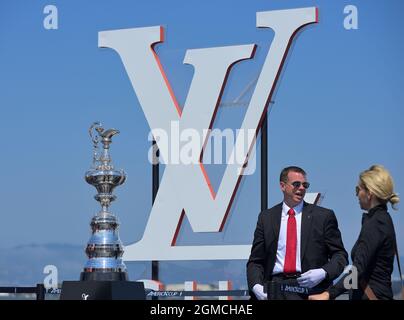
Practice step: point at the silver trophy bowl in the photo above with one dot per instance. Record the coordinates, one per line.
(104, 249)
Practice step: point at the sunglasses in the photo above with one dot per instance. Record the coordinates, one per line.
(297, 184)
(357, 189)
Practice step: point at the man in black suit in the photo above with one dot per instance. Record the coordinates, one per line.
(295, 240)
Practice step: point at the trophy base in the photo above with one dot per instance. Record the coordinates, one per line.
(103, 276)
(102, 290)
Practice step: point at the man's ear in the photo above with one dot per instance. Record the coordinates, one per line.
(282, 185)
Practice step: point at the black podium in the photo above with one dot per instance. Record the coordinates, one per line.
(102, 290)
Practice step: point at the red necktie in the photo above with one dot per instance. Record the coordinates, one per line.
(291, 244)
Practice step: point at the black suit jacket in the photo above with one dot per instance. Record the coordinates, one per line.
(372, 256)
(320, 246)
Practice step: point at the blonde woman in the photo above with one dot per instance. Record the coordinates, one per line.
(373, 252)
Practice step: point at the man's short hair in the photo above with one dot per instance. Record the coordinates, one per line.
(284, 173)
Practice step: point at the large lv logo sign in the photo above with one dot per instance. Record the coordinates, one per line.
(185, 189)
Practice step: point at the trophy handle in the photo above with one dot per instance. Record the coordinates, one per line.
(97, 126)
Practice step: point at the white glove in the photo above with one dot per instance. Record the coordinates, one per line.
(312, 278)
(259, 292)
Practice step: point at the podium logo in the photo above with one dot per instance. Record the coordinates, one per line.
(186, 189)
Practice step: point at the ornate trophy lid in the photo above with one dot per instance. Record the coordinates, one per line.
(102, 175)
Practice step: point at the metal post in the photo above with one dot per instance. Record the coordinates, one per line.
(155, 187)
(264, 163)
(40, 291)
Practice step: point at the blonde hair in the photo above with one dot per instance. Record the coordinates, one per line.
(379, 182)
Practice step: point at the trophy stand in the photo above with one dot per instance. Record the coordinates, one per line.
(104, 276)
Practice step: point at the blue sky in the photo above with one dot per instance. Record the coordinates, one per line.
(338, 109)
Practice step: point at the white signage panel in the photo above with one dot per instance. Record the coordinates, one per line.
(185, 189)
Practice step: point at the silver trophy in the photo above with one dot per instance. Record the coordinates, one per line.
(104, 249)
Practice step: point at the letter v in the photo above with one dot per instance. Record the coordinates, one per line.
(185, 187)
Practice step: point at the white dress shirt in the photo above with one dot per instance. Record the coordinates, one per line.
(281, 251)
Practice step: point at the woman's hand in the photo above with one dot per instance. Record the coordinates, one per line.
(321, 296)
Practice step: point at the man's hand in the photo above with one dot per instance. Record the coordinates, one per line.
(259, 292)
(322, 296)
(312, 278)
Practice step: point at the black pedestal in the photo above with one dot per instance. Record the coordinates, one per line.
(103, 276)
(102, 290)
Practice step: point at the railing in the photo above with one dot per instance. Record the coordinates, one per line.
(39, 290)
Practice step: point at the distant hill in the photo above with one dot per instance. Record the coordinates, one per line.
(24, 265)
